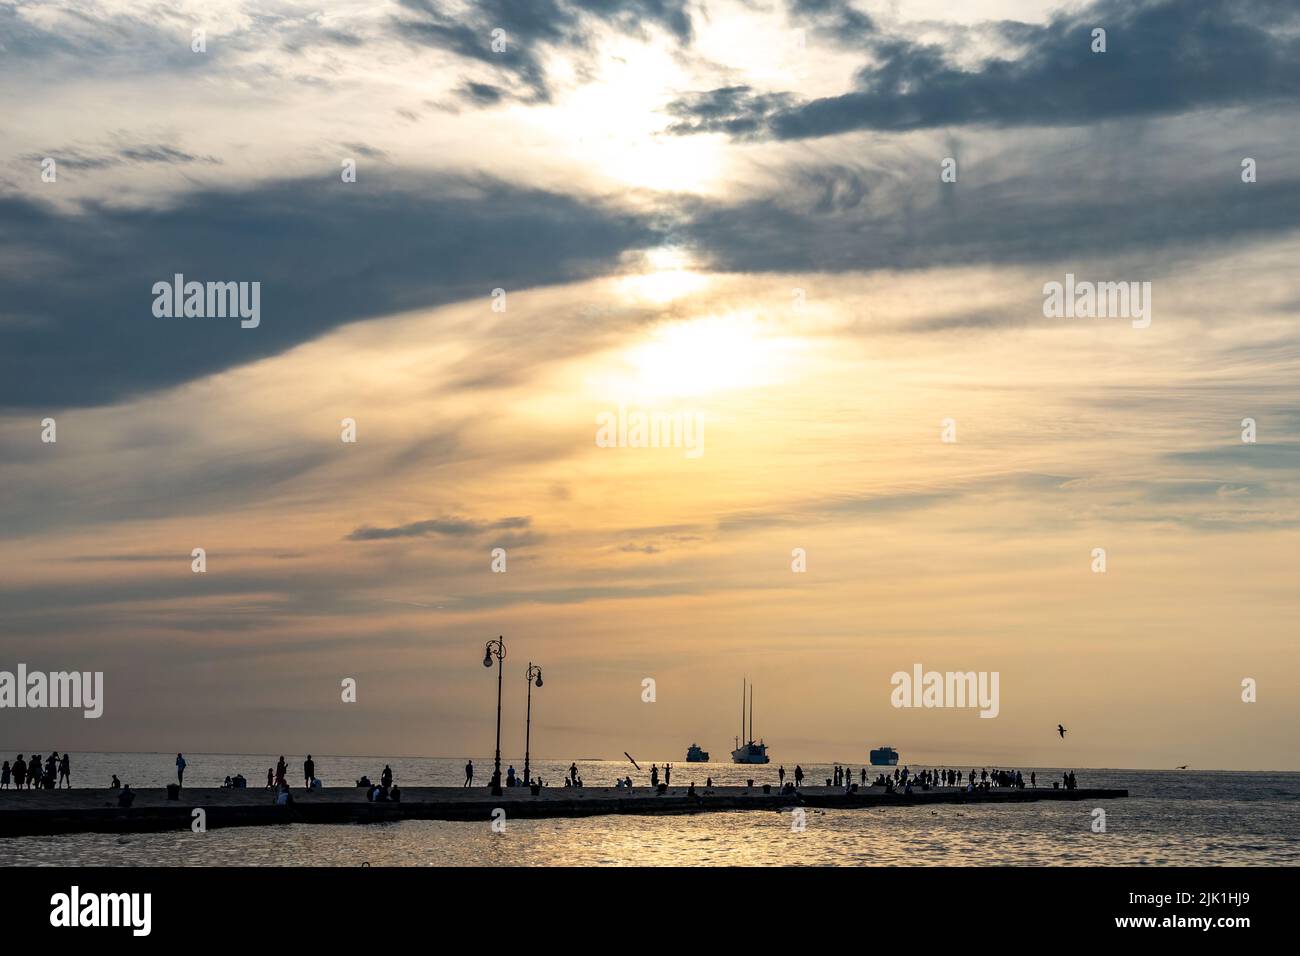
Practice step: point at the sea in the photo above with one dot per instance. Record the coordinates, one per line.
(1171, 818)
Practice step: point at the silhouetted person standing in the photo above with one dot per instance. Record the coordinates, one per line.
(798, 775)
(386, 778)
(469, 773)
(65, 771)
(780, 775)
(180, 770)
(309, 771)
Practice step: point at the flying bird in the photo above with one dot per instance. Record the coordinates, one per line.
(1060, 730)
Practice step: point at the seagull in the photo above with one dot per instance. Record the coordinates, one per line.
(1060, 730)
(1183, 767)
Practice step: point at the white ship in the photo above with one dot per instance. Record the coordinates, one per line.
(751, 752)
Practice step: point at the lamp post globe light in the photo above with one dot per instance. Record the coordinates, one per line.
(534, 676)
(496, 648)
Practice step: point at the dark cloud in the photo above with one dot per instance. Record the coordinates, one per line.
(362, 149)
(449, 527)
(78, 327)
(837, 220)
(533, 28)
(1162, 57)
(71, 157)
(1259, 456)
(482, 94)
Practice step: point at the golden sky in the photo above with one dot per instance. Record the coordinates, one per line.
(801, 283)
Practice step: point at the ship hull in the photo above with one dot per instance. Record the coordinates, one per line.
(741, 756)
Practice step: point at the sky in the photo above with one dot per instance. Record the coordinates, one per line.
(818, 232)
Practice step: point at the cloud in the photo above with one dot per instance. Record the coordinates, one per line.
(534, 29)
(838, 221)
(449, 527)
(1161, 58)
(77, 326)
(72, 157)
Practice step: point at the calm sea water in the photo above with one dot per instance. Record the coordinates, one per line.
(1170, 818)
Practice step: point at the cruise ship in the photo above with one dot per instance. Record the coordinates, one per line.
(884, 757)
(750, 752)
(695, 755)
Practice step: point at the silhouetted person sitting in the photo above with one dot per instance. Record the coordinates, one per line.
(116, 784)
(126, 797)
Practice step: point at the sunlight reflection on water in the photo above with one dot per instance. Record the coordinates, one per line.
(1169, 819)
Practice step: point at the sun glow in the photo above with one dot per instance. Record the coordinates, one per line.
(668, 277)
(703, 356)
(614, 124)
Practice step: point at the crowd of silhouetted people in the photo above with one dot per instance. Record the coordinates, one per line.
(52, 773)
(383, 792)
(55, 772)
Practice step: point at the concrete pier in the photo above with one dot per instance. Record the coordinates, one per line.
(43, 812)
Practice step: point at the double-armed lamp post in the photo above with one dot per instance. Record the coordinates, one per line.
(497, 649)
(534, 677)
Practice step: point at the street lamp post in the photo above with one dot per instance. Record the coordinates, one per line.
(497, 649)
(534, 676)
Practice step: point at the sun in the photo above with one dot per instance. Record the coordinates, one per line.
(667, 276)
(613, 124)
(701, 357)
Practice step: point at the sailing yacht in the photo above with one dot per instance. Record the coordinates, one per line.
(751, 752)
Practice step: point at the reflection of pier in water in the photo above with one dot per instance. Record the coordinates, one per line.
(95, 811)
